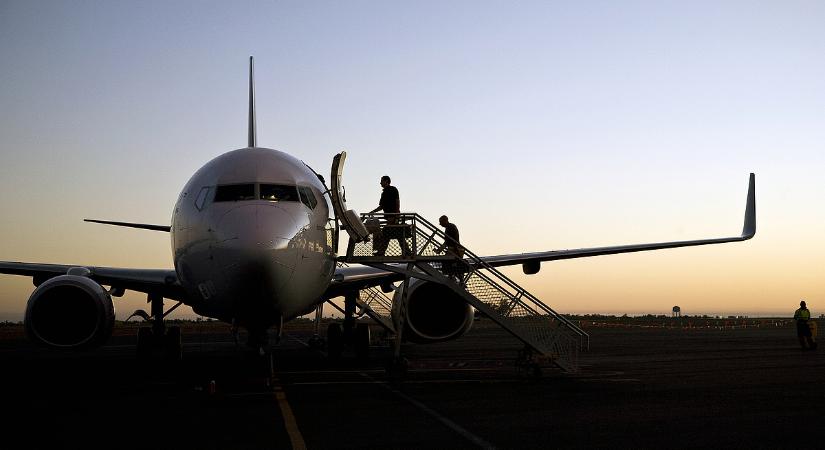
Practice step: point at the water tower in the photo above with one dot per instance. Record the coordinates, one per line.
(677, 311)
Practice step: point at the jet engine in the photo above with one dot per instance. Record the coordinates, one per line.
(434, 312)
(69, 311)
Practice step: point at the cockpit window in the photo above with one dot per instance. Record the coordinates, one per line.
(279, 193)
(201, 199)
(307, 197)
(235, 192)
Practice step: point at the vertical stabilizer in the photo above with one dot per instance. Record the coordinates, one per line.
(253, 140)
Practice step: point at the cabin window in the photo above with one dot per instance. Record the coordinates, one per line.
(279, 193)
(307, 197)
(200, 200)
(235, 192)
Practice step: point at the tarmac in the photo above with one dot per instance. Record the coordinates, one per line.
(639, 387)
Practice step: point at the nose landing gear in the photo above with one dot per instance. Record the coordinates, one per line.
(356, 336)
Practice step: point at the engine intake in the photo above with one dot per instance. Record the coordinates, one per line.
(434, 313)
(70, 311)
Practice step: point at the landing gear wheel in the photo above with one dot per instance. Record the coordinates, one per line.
(335, 341)
(316, 342)
(397, 369)
(362, 341)
(173, 344)
(527, 365)
(145, 341)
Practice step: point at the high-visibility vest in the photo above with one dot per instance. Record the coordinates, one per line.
(802, 314)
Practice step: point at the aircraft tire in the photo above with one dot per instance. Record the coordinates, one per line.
(335, 340)
(145, 340)
(397, 369)
(316, 342)
(173, 344)
(362, 341)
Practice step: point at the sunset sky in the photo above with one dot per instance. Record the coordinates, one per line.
(533, 125)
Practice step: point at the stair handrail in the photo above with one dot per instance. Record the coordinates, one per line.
(480, 262)
(476, 262)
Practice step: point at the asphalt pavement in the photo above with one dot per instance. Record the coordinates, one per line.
(637, 387)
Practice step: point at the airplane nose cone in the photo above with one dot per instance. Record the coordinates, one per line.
(254, 249)
(261, 227)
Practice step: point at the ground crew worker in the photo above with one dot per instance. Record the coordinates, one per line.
(803, 332)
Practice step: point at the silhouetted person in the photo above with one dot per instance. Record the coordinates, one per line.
(803, 331)
(390, 204)
(452, 245)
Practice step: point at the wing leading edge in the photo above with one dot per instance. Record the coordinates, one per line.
(160, 281)
(142, 226)
(748, 231)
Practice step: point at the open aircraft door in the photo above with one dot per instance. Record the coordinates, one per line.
(349, 219)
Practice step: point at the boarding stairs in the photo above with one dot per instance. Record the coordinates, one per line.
(373, 303)
(407, 244)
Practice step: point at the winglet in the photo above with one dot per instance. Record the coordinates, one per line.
(749, 230)
(253, 140)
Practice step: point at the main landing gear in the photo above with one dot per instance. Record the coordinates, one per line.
(357, 336)
(158, 340)
(338, 337)
(316, 342)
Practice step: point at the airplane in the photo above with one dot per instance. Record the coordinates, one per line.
(254, 235)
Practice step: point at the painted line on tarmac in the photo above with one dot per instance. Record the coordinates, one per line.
(484, 370)
(295, 339)
(291, 425)
(444, 420)
(439, 381)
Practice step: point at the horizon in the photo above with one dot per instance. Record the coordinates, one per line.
(337, 315)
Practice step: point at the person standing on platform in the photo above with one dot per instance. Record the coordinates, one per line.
(803, 331)
(390, 204)
(390, 201)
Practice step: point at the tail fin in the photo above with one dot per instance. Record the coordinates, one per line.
(253, 140)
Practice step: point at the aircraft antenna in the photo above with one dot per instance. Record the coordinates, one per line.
(252, 135)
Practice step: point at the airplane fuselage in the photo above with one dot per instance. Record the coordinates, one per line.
(252, 238)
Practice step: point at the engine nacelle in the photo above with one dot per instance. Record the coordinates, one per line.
(70, 311)
(434, 312)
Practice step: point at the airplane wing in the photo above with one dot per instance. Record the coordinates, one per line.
(160, 281)
(143, 226)
(165, 281)
(748, 231)
(360, 277)
(348, 279)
